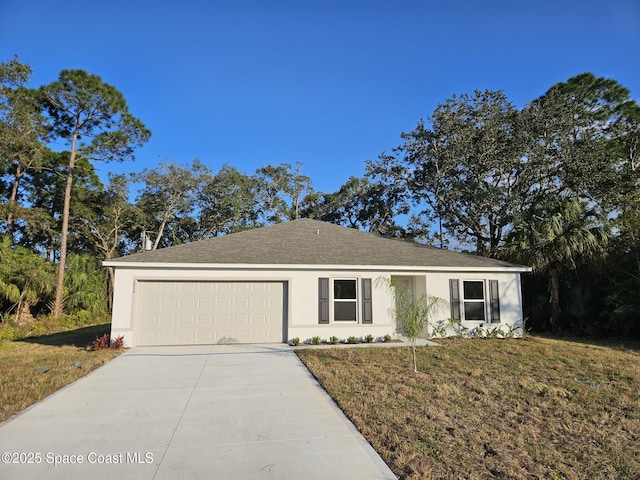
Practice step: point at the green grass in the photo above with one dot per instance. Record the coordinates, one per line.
(478, 409)
(35, 367)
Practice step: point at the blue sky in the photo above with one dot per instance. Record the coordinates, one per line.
(326, 83)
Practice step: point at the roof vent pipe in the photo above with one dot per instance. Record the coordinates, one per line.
(147, 243)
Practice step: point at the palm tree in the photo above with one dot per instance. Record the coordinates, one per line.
(25, 279)
(85, 287)
(414, 314)
(551, 237)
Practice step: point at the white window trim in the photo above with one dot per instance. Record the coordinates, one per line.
(463, 300)
(332, 312)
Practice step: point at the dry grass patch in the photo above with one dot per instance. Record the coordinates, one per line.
(35, 368)
(512, 409)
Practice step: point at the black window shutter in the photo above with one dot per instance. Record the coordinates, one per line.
(367, 311)
(454, 292)
(323, 300)
(494, 296)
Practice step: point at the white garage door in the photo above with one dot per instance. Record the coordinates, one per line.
(185, 313)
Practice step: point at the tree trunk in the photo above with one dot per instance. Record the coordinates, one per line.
(13, 198)
(415, 363)
(165, 218)
(634, 246)
(23, 313)
(554, 290)
(57, 305)
(110, 287)
(481, 247)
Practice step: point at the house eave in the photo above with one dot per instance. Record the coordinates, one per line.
(379, 268)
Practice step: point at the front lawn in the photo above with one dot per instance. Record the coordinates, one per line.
(33, 368)
(479, 409)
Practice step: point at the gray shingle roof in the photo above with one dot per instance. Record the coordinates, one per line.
(310, 242)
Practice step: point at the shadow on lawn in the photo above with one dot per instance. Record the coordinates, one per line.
(80, 337)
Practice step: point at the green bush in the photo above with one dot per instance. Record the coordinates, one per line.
(85, 287)
(368, 338)
(315, 340)
(333, 340)
(84, 317)
(26, 280)
(8, 333)
(353, 339)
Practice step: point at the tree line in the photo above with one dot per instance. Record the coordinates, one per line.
(554, 185)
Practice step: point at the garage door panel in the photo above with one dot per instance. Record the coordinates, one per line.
(242, 302)
(167, 320)
(148, 321)
(204, 337)
(260, 302)
(164, 288)
(185, 319)
(206, 303)
(189, 288)
(222, 319)
(168, 303)
(224, 287)
(223, 302)
(173, 313)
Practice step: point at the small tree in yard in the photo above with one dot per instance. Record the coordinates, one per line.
(413, 314)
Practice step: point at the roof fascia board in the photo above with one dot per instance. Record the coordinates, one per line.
(241, 266)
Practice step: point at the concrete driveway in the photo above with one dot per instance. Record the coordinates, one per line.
(223, 412)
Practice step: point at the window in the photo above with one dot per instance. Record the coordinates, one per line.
(473, 300)
(338, 300)
(469, 303)
(345, 302)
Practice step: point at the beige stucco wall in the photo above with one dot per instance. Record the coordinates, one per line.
(301, 308)
(302, 298)
(509, 290)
